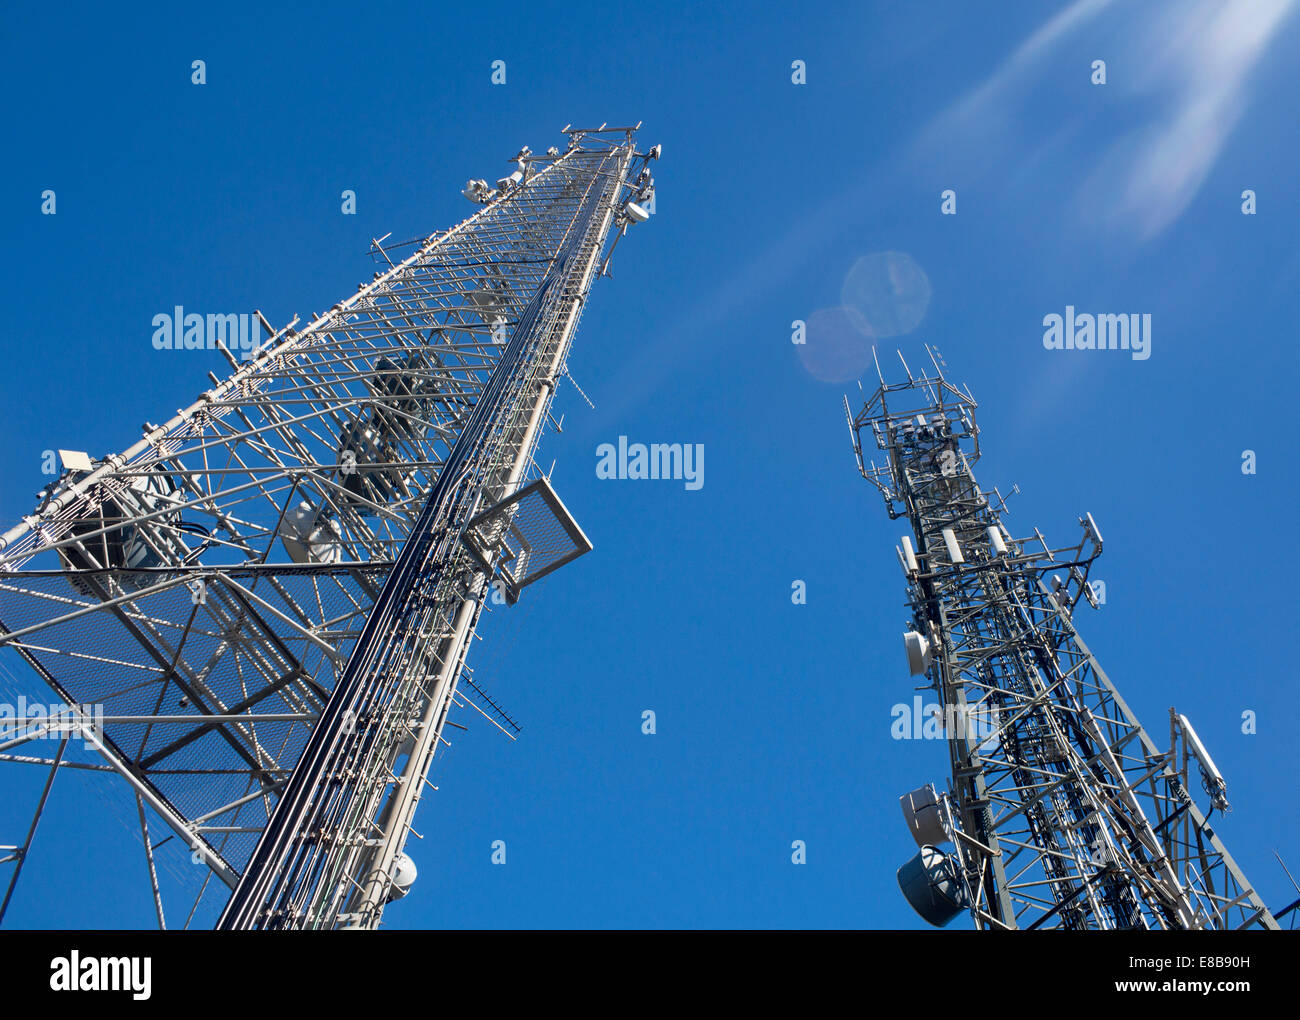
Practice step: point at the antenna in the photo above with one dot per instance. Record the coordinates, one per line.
(1212, 779)
(910, 380)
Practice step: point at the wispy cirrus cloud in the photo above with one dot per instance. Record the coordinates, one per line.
(1205, 81)
(1187, 66)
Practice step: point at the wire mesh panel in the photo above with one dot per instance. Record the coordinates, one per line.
(526, 537)
(178, 653)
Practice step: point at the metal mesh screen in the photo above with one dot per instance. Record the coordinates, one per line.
(160, 655)
(526, 536)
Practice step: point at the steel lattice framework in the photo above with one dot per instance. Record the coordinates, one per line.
(1062, 810)
(269, 596)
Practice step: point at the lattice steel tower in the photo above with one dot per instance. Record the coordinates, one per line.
(1061, 810)
(270, 597)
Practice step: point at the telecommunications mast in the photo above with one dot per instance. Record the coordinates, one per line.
(271, 596)
(1061, 811)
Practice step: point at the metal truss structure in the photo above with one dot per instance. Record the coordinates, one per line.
(270, 597)
(1062, 811)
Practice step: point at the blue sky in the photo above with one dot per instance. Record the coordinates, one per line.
(773, 719)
